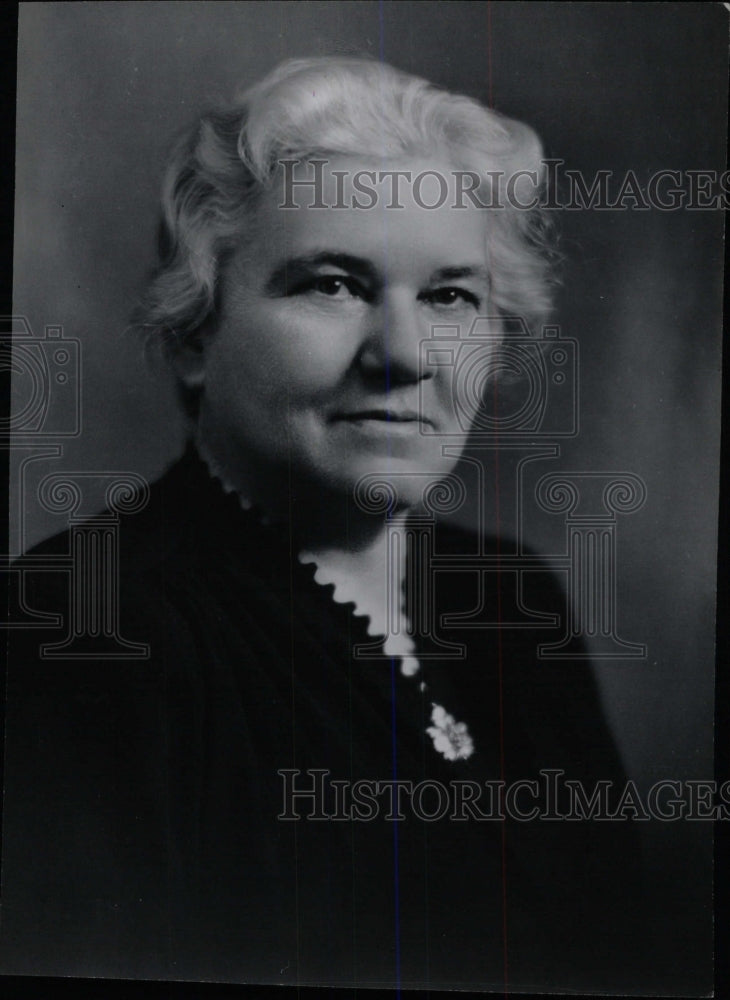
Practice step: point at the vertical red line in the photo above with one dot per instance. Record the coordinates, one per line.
(500, 666)
(489, 54)
(500, 688)
(292, 649)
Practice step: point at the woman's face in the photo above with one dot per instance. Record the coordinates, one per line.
(316, 367)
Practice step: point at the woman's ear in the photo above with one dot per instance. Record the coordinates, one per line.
(188, 359)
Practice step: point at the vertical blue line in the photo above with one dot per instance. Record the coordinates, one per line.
(396, 868)
(381, 51)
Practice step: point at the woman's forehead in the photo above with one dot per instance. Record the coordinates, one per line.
(371, 210)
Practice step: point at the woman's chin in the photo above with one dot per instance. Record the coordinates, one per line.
(389, 484)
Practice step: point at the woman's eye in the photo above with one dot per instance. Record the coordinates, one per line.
(333, 286)
(329, 286)
(452, 296)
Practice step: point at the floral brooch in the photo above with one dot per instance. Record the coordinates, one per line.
(450, 738)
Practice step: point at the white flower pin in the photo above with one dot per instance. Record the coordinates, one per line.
(451, 738)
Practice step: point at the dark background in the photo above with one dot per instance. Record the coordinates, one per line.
(101, 89)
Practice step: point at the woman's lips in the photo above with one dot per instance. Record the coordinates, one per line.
(383, 416)
(385, 423)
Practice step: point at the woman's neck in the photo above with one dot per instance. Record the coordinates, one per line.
(361, 554)
(371, 576)
(326, 523)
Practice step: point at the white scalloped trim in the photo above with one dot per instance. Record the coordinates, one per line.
(399, 646)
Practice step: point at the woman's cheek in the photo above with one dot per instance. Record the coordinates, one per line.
(319, 355)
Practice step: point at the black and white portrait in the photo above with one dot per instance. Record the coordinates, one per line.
(364, 450)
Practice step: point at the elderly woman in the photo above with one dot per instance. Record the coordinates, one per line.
(291, 789)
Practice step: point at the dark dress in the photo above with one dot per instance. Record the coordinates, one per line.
(142, 830)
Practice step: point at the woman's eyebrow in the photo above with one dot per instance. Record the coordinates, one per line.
(478, 271)
(291, 267)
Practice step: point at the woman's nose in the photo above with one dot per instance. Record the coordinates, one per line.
(394, 338)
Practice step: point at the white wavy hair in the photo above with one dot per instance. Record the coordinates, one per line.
(307, 108)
